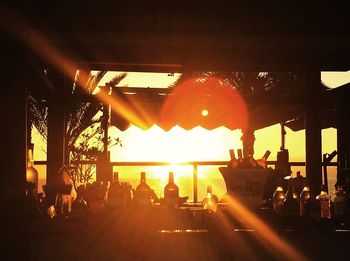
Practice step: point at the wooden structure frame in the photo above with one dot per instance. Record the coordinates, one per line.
(183, 36)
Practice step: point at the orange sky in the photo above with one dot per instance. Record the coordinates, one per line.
(198, 144)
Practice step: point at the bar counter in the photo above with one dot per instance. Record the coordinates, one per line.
(187, 233)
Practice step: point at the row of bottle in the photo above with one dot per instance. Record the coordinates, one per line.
(248, 161)
(145, 196)
(323, 206)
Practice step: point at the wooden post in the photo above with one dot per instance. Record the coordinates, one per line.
(313, 130)
(13, 144)
(104, 169)
(343, 144)
(56, 131)
(13, 128)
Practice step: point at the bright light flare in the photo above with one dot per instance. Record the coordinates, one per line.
(205, 112)
(263, 233)
(191, 101)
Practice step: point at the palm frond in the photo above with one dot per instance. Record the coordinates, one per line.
(117, 79)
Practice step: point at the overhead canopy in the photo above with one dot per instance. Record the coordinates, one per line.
(211, 104)
(208, 103)
(332, 102)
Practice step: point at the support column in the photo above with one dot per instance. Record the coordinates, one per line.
(13, 143)
(313, 130)
(104, 169)
(13, 128)
(343, 144)
(56, 132)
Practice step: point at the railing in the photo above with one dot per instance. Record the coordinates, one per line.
(195, 165)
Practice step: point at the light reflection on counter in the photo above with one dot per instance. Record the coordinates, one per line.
(170, 231)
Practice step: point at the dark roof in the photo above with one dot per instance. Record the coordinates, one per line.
(180, 36)
(188, 35)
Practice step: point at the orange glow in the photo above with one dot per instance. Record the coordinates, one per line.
(185, 105)
(174, 146)
(128, 109)
(264, 234)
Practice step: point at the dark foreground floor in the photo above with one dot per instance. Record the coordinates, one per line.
(166, 235)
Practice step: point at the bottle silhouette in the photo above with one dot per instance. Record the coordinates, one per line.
(233, 163)
(115, 195)
(291, 202)
(171, 192)
(32, 174)
(325, 203)
(278, 199)
(251, 162)
(262, 162)
(143, 193)
(339, 201)
(240, 158)
(303, 198)
(210, 202)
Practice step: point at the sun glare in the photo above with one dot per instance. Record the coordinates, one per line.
(176, 145)
(205, 112)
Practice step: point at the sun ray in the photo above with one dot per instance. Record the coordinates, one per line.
(264, 234)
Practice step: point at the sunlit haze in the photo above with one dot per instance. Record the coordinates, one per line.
(198, 144)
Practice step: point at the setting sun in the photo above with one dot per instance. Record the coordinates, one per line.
(175, 147)
(205, 112)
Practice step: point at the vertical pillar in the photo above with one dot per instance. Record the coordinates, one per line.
(56, 131)
(13, 144)
(343, 144)
(13, 127)
(313, 130)
(104, 169)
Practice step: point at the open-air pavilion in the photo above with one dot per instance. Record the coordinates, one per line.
(180, 37)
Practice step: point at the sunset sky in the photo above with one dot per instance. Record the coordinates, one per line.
(198, 144)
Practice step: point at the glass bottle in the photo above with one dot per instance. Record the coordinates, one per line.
(128, 193)
(210, 202)
(312, 208)
(32, 174)
(262, 162)
(291, 202)
(171, 192)
(278, 200)
(240, 158)
(233, 161)
(116, 178)
(303, 198)
(325, 203)
(143, 192)
(251, 162)
(339, 201)
(115, 195)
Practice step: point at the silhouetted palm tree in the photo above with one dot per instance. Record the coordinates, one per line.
(253, 83)
(80, 115)
(257, 89)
